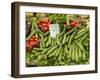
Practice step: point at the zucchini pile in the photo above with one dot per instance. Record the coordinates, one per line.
(69, 47)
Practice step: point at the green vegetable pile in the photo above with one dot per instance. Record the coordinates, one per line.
(69, 47)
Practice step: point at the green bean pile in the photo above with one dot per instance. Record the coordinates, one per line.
(69, 47)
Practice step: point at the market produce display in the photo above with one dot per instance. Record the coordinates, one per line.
(69, 47)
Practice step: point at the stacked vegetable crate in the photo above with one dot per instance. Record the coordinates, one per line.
(69, 47)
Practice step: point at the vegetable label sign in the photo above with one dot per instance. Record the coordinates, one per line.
(54, 30)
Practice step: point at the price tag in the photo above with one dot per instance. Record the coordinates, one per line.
(54, 30)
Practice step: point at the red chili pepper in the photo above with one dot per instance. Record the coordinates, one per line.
(36, 39)
(32, 42)
(31, 39)
(45, 28)
(74, 23)
(43, 24)
(27, 44)
(39, 25)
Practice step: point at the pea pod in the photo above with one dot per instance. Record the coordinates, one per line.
(51, 49)
(38, 30)
(33, 51)
(42, 40)
(83, 30)
(46, 38)
(68, 20)
(62, 32)
(67, 38)
(37, 49)
(54, 41)
(58, 51)
(48, 43)
(50, 40)
(73, 53)
(40, 57)
(31, 34)
(78, 40)
(41, 46)
(37, 54)
(45, 50)
(47, 33)
(82, 33)
(76, 54)
(36, 35)
(33, 25)
(83, 56)
(80, 53)
(66, 49)
(83, 37)
(60, 55)
(70, 52)
(41, 35)
(72, 30)
(43, 43)
(64, 55)
(64, 39)
(58, 42)
(79, 45)
(60, 39)
(71, 38)
(53, 53)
